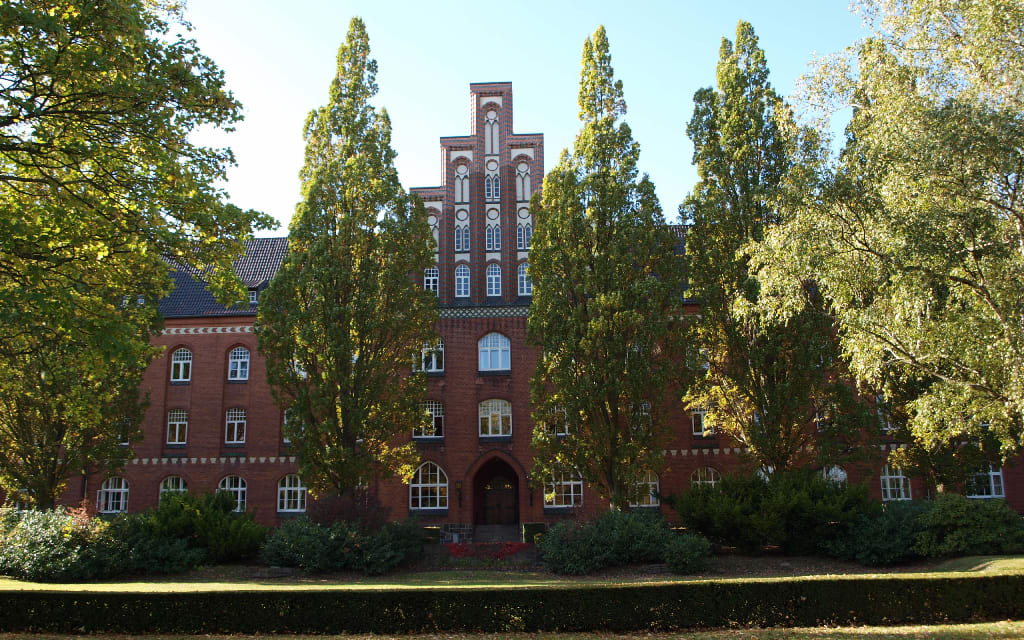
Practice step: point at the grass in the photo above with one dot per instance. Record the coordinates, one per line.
(477, 579)
(992, 630)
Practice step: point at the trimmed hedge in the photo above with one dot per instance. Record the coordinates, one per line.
(765, 603)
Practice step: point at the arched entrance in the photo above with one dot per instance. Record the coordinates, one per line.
(496, 494)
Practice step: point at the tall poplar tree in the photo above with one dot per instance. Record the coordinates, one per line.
(342, 321)
(606, 300)
(762, 383)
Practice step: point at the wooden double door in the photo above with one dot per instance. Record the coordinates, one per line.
(496, 494)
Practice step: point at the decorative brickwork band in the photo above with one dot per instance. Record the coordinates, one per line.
(177, 331)
(484, 312)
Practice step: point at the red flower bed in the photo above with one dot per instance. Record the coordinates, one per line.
(485, 550)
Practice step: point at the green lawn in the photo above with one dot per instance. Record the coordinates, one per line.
(996, 630)
(472, 579)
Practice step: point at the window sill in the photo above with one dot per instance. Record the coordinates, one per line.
(175, 445)
(238, 381)
(435, 374)
(494, 372)
(428, 439)
(496, 439)
(429, 513)
(568, 510)
(180, 383)
(290, 514)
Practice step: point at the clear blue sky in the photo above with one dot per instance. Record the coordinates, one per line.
(279, 57)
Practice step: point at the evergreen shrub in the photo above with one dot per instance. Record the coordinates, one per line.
(616, 538)
(687, 553)
(317, 548)
(958, 526)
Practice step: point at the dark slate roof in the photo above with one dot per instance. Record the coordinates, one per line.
(191, 299)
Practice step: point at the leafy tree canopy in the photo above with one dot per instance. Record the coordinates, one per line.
(343, 321)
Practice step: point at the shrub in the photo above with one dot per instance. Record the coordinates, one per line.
(130, 545)
(315, 548)
(395, 544)
(208, 521)
(616, 538)
(573, 548)
(955, 526)
(51, 546)
(687, 553)
(298, 542)
(884, 538)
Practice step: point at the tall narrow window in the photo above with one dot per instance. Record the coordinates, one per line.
(492, 237)
(181, 365)
(435, 429)
(700, 429)
(428, 488)
(430, 278)
(525, 283)
(895, 485)
(291, 495)
(462, 281)
(177, 426)
(461, 184)
(524, 236)
(234, 427)
(112, 496)
(238, 364)
(488, 188)
(491, 132)
(522, 182)
(493, 280)
(235, 486)
(495, 352)
(495, 418)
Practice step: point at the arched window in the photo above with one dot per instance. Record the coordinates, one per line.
(462, 281)
(495, 352)
(491, 132)
(834, 474)
(493, 280)
(461, 184)
(492, 237)
(431, 358)
(172, 485)
(181, 365)
(705, 476)
(522, 182)
(461, 238)
(488, 188)
(112, 496)
(430, 278)
(565, 490)
(235, 486)
(238, 364)
(987, 483)
(436, 427)
(649, 487)
(428, 488)
(895, 485)
(495, 418)
(524, 236)
(291, 495)
(234, 426)
(177, 426)
(525, 282)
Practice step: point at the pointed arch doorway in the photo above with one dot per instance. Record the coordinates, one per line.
(496, 494)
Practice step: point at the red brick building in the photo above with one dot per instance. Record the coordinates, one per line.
(212, 423)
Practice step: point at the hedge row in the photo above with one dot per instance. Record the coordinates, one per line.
(768, 603)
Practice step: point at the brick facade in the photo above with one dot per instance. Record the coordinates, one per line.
(487, 477)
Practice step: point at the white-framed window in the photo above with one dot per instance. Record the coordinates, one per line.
(492, 237)
(834, 474)
(431, 358)
(705, 476)
(524, 236)
(495, 418)
(987, 483)
(181, 365)
(253, 296)
(884, 411)
(436, 427)
(492, 187)
(234, 485)
(234, 426)
(291, 494)
(172, 485)
(430, 279)
(895, 485)
(461, 184)
(697, 419)
(649, 489)
(561, 423)
(523, 182)
(428, 488)
(238, 364)
(525, 282)
(112, 496)
(563, 491)
(461, 238)
(462, 281)
(493, 280)
(495, 352)
(177, 426)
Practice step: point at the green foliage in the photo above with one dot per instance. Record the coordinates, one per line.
(703, 604)
(687, 553)
(99, 184)
(342, 321)
(958, 526)
(616, 538)
(606, 301)
(915, 237)
(761, 382)
(884, 539)
(208, 522)
(317, 548)
(531, 530)
(799, 511)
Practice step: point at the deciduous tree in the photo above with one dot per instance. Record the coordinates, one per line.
(764, 383)
(342, 321)
(606, 303)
